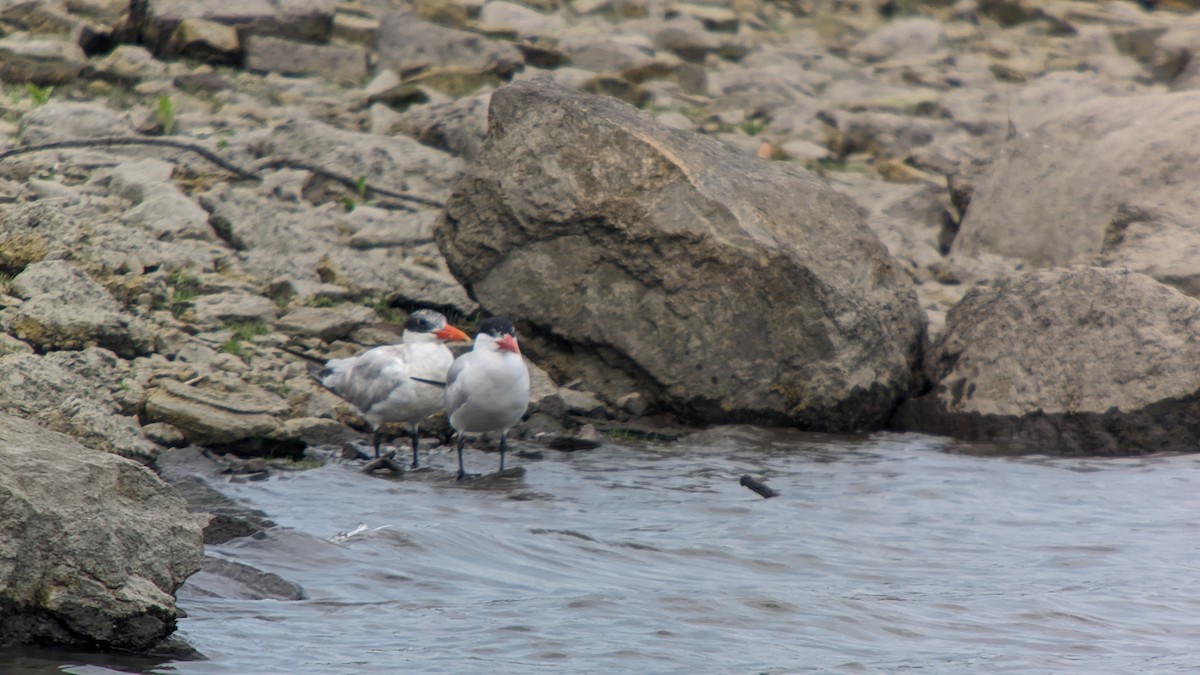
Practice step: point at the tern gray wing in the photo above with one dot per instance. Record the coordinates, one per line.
(366, 380)
(456, 390)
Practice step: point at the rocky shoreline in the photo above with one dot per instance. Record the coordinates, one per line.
(972, 218)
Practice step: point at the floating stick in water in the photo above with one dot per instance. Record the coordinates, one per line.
(759, 487)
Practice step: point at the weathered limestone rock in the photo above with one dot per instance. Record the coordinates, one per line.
(65, 309)
(218, 308)
(217, 418)
(326, 323)
(902, 38)
(92, 546)
(409, 44)
(90, 394)
(338, 63)
(60, 120)
(457, 127)
(204, 40)
(309, 20)
(41, 60)
(1078, 360)
(726, 287)
(1103, 180)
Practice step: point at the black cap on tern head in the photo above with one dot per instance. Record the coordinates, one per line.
(497, 326)
(424, 321)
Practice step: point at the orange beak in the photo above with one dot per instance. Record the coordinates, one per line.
(449, 333)
(508, 343)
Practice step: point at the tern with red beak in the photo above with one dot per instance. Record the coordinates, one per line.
(487, 389)
(397, 383)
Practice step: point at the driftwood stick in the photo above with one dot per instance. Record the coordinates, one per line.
(384, 462)
(759, 487)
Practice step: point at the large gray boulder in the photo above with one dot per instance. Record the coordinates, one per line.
(1078, 360)
(1107, 181)
(646, 259)
(92, 546)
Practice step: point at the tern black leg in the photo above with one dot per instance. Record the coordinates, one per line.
(462, 472)
(415, 435)
(376, 440)
(503, 447)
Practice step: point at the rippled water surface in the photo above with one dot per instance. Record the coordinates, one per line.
(881, 554)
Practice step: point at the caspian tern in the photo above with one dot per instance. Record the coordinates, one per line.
(397, 383)
(487, 389)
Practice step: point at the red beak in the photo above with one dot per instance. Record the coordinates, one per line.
(449, 333)
(509, 344)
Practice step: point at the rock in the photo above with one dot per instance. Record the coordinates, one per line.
(326, 323)
(456, 127)
(1105, 174)
(65, 309)
(90, 394)
(359, 30)
(38, 17)
(338, 63)
(220, 308)
(903, 38)
(226, 579)
(408, 45)
(211, 417)
(169, 215)
(294, 243)
(398, 163)
(1078, 360)
(205, 41)
(499, 16)
(192, 473)
(308, 20)
(41, 61)
(60, 121)
(377, 228)
(131, 64)
(633, 403)
(589, 224)
(611, 54)
(70, 577)
(718, 19)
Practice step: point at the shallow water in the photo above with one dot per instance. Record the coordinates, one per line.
(884, 553)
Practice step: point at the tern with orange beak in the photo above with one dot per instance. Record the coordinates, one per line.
(398, 383)
(487, 389)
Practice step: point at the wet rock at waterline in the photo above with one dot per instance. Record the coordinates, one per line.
(726, 287)
(92, 546)
(1078, 360)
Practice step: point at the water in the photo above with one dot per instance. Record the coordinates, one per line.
(886, 553)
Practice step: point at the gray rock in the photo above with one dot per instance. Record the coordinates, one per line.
(168, 214)
(409, 44)
(1107, 174)
(377, 228)
(346, 64)
(1078, 360)
(91, 395)
(326, 323)
(41, 17)
(457, 127)
(65, 309)
(212, 417)
(902, 38)
(396, 163)
(131, 64)
(525, 22)
(227, 579)
(591, 225)
(39, 60)
(70, 577)
(60, 121)
(219, 308)
(203, 40)
(607, 53)
(310, 20)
